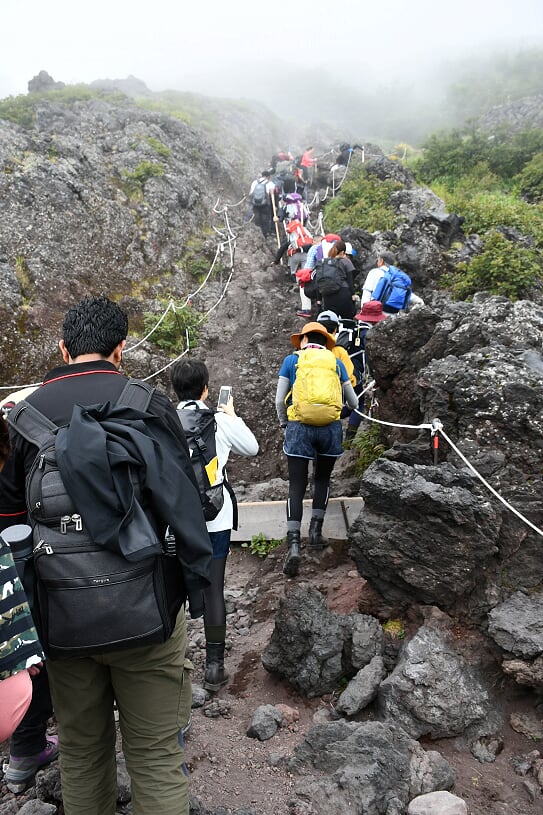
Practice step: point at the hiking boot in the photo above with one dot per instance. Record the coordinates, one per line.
(21, 770)
(215, 676)
(292, 560)
(316, 540)
(303, 313)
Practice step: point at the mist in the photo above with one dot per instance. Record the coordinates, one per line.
(383, 71)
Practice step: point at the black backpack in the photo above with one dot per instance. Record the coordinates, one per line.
(90, 599)
(200, 427)
(259, 196)
(352, 336)
(329, 276)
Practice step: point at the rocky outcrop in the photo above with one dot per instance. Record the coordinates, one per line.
(354, 780)
(312, 648)
(521, 114)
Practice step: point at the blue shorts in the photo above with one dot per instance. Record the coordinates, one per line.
(307, 441)
(220, 542)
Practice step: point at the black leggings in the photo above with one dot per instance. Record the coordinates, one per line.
(298, 475)
(214, 606)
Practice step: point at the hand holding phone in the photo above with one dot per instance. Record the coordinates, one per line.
(225, 394)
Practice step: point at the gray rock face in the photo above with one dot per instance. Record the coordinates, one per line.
(437, 803)
(370, 767)
(433, 691)
(362, 689)
(517, 625)
(312, 648)
(415, 537)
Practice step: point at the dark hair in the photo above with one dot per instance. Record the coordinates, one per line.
(316, 338)
(388, 258)
(330, 325)
(96, 325)
(339, 246)
(189, 378)
(4, 440)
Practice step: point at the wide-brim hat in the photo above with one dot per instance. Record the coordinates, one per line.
(318, 328)
(371, 312)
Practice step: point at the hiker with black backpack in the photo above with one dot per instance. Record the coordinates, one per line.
(312, 387)
(334, 277)
(108, 473)
(260, 194)
(212, 436)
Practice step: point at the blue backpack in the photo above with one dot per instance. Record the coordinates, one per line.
(393, 290)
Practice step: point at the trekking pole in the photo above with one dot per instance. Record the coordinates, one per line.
(275, 220)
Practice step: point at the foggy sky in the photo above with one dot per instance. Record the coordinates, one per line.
(241, 47)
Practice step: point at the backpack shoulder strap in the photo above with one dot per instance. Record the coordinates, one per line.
(31, 424)
(136, 394)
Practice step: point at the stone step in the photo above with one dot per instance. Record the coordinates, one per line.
(269, 518)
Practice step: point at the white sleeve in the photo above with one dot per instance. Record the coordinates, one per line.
(371, 281)
(237, 435)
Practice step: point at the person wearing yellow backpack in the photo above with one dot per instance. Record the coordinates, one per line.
(312, 387)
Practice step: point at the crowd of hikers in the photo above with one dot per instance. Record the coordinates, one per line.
(116, 512)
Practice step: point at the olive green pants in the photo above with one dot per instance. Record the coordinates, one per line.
(152, 692)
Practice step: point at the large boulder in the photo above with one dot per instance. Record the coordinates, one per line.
(370, 767)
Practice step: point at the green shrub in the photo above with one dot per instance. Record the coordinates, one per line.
(21, 109)
(364, 202)
(171, 333)
(369, 445)
(530, 181)
(261, 546)
(158, 146)
(503, 267)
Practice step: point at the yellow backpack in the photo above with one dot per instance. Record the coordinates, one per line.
(316, 394)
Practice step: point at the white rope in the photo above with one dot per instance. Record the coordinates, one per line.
(227, 206)
(152, 331)
(172, 361)
(437, 427)
(487, 485)
(19, 387)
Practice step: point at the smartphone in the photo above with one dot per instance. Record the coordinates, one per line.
(224, 395)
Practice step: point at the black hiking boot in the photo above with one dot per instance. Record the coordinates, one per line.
(292, 560)
(316, 540)
(215, 676)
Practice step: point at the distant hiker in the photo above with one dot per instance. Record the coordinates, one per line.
(190, 379)
(331, 321)
(373, 287)
(312, 386)
(306, 162)
(123, 616)
(297, 243)
(279, 158)
(335, 280)
(260, 194)
(344, 155)
(309, 293)
(370, 314)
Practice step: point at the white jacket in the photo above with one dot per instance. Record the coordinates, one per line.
(234, 436)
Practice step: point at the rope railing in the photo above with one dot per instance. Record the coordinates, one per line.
(436, 427)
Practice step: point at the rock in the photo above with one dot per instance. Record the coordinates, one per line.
(265, 722)
(528, 724)
(124, 794)
(362, 689)
(199, 696)
(437, 803)
(289, 715)
(37, 807)
(434, 691)
(517, 625)
(351, 780)
(390, 550)
(312, 647)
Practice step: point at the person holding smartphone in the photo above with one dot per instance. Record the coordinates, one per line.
(190, 380)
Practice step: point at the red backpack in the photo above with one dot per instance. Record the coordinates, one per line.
(298, 236)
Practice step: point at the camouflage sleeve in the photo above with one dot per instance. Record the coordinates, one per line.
(19, 645)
